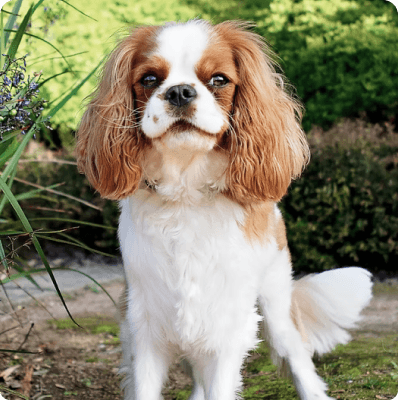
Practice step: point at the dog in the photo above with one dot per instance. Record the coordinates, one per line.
(196, 135)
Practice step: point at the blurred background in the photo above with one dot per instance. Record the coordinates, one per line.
(340, 55)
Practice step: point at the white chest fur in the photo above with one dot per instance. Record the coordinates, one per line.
(189, 268)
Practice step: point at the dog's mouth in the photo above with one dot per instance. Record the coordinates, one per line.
(182, 126)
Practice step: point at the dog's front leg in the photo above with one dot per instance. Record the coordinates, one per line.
(145, 363)
(287, 348)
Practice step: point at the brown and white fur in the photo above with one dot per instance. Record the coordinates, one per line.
(193, 131)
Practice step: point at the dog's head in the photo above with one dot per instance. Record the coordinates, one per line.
(197, 86)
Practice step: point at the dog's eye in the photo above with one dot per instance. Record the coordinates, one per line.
(218, 81)
(149, 81)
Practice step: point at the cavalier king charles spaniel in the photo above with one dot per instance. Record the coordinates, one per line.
(193, 131)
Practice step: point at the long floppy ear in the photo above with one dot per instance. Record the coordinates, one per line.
(266, 144)
(109, 143)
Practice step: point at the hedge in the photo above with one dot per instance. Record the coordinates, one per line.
(344, 210)
(341, 55)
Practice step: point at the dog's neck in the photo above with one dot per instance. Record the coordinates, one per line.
(184, 174)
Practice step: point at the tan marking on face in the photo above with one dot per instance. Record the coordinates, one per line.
(150, 65)
(155, 119)
(218, 59)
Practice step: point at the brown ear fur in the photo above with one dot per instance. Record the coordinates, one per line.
(266, 144)
(109, 144)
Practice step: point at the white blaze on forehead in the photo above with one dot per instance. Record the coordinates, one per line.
(182, 45)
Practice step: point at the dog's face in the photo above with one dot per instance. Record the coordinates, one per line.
(192, 87)
(184, 90)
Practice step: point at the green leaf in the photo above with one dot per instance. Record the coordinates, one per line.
(29, 278)
(11, 135)
(45, 41)
(32, 193)
(28, 228)
(19, 33)
(54, 76)
(37, 5)
(11, 20)
(2, 42)
(3, 256)
(81, 12)
(11, 233)
(75, 221)
(15, 158)
(73, 92)
(36, 271)
(73, 242)
(8, 152)
(5, 388)
(11, 177)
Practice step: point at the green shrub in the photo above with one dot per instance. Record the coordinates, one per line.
(344, 210)
(341, 55)
(66, 213)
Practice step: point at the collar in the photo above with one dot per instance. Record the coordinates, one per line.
(150, 185)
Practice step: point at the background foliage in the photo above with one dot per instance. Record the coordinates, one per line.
(342, 57)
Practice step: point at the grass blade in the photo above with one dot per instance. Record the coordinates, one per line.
(32, 193)
(19, 33)
(36, 271)
(28, 228)
(3, 201)
(5, 388)
(37, 5)
(53, 76)
(57, 107)
(74, 242)
(8, 152)
(11, 233)
(43, 40)
(2, 42)
(11, 20)
(81, 12)
(11, 135)
(3, 256)
(75, 221)
(29, 278)
(59, 193)
(12, 164)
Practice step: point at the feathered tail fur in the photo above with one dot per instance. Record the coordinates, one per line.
(325, 305)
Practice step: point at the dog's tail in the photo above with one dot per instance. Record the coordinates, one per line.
(325, 305)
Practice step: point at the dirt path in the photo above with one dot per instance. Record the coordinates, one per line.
(79, 364)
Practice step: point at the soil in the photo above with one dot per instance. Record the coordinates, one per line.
(77, 363)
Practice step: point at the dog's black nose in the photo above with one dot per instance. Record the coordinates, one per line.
(180, 95)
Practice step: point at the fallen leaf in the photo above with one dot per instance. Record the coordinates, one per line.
(27, 380)
(60, 386)
(7, 372)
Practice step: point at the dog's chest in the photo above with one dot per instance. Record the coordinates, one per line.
(194, 267)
